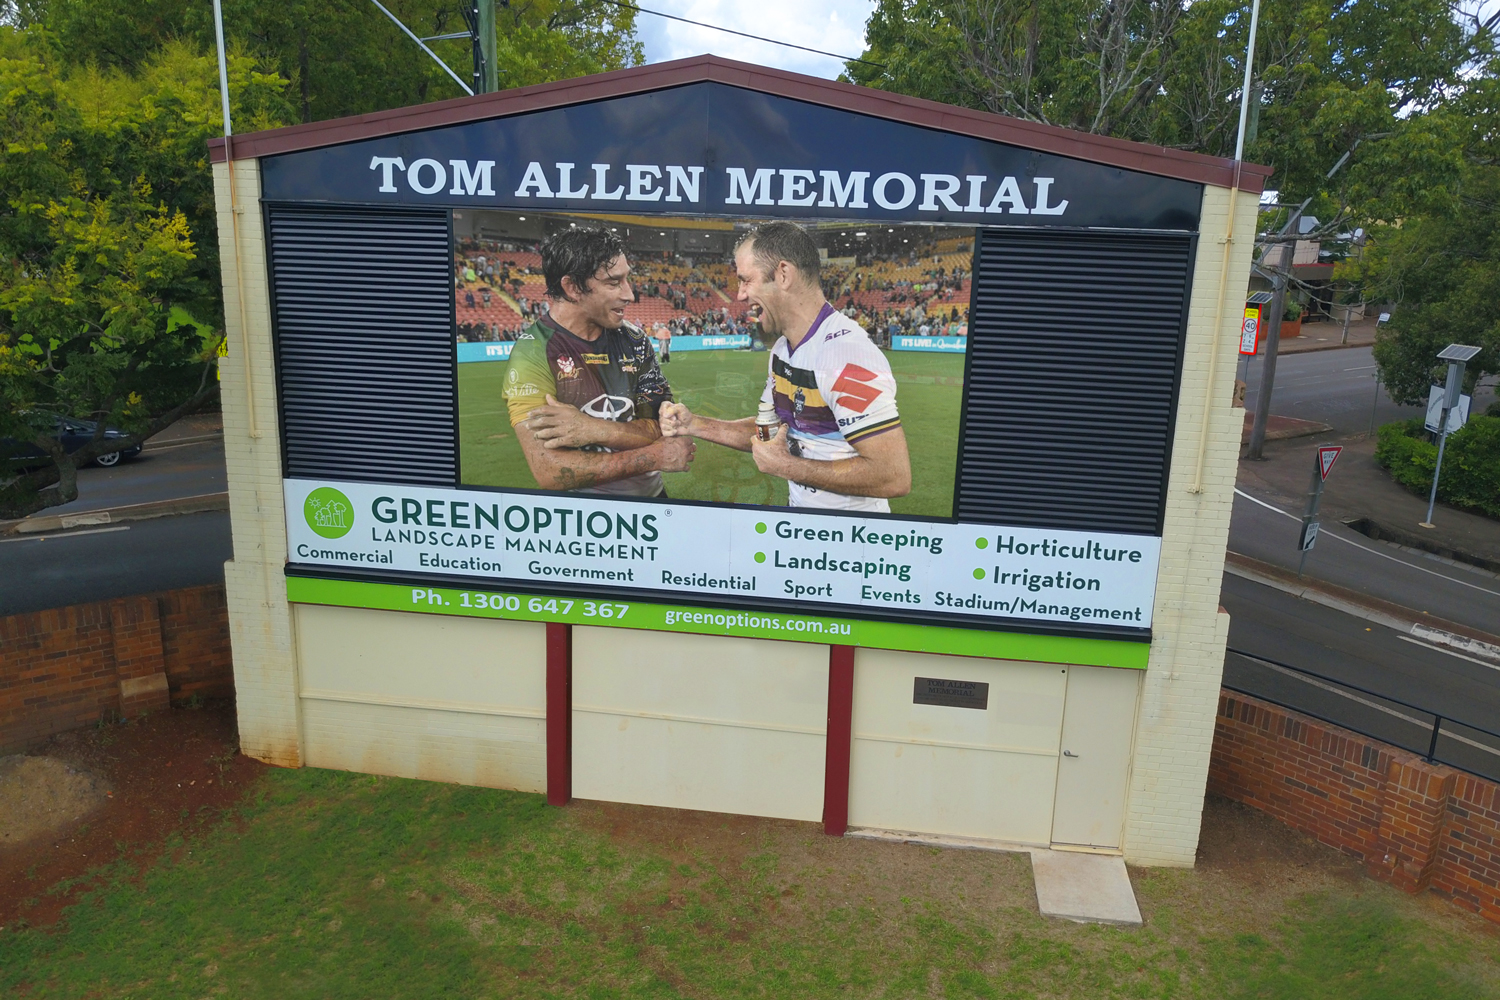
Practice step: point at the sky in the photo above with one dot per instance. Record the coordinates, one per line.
(831, 25)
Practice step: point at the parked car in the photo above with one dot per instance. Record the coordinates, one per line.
(74, 433)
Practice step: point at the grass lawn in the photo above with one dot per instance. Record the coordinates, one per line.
(727, 385)
(326, 885)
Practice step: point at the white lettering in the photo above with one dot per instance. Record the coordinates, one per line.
(797, 187)
(643, 182)
(414, 176)
(686, 181)
(938, 188)
(757, 192)
(1009, 192)
(534, 178)
(976, 182)
(466, 181)
(1042, 208)
(387, 182)
(601, 185)
(908, 191)
(565, 183)
(844, 195)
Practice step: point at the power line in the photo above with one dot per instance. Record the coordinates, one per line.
(742, 34)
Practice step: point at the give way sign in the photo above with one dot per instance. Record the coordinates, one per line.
(1327, 455)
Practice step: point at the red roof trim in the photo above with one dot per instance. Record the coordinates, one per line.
(699, 69)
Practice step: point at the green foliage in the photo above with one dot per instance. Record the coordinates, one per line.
(106, 229)
(333, 885)
(343, 57)
(1328, 74)
(1471, 462)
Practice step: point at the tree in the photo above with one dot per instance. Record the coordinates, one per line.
(109, 306)
(344, 57)
(1330, 75)
(1440, 265)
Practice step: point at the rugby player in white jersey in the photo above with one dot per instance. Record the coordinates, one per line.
(840, 445)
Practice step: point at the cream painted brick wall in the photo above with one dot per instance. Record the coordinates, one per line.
(1174, 734)
(260, 625)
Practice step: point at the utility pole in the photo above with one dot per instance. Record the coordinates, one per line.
(1281, 276)
(486, 24)
(479, 17)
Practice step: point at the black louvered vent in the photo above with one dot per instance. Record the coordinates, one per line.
(1074, 354)
(364, 334)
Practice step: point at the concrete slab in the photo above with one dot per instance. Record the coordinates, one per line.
(1087, 888)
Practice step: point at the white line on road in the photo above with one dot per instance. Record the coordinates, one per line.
(54, 536)
(1361, 368)
(1373, 552)
(1440, 649)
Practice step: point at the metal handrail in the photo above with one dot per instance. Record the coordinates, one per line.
(1438, 718)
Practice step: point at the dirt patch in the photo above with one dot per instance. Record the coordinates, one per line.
(44, 795)
(171, 773)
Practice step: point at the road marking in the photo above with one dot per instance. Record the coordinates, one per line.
(1370, 704)
(1450, 652)
(66, 534)
(1361, 368)
(1373, 552)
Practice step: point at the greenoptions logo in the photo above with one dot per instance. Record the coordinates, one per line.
(329, 513)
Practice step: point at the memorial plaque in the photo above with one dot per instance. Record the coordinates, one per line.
(951, 694)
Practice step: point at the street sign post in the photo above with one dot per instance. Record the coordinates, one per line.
(1457, 355)
(1250, 331)
(1322, 465)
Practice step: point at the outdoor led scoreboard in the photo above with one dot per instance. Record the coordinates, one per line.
(999, 282)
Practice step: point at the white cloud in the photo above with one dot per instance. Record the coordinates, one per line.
(830, 25)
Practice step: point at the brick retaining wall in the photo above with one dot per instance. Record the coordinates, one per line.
(1414, 824)
(70, 667)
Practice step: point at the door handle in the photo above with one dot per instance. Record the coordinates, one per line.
(1069, 753)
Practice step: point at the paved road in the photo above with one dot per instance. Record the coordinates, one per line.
(1336, 388)
(160, 473)
(1462, 594)
(1268, 623)
(50, 571)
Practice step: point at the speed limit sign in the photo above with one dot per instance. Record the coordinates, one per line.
(1250, 332)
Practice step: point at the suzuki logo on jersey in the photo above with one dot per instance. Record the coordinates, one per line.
(852, 384)
(607, 407)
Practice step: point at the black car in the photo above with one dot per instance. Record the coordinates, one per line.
(74, 433)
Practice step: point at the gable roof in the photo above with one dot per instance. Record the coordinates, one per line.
(1122, 153)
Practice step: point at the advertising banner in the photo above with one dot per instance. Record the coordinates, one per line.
(684, 550)
(717, 342)
(484, 352)
(945, 345)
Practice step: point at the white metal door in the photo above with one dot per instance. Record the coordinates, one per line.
(985, 774)
(1098, 724)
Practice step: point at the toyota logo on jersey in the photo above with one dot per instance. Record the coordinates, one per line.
(607, 407)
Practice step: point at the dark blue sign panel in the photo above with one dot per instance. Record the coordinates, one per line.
(712, 149)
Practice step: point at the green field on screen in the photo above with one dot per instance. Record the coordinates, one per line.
(727, 384)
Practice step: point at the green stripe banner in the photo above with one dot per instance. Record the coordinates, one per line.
(518, 606)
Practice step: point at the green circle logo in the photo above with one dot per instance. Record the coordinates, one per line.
(328, 512)
(761, 527)
(760, 557)
(979, 574)
(981, 542)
